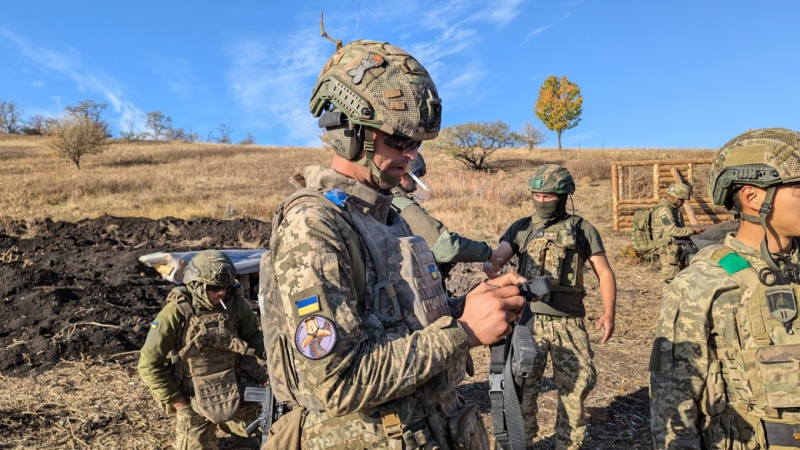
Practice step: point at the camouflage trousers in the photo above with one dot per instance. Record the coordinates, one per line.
(195, 432)
(567, 342)
(671, 264)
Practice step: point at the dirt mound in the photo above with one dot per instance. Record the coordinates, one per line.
(78, 290)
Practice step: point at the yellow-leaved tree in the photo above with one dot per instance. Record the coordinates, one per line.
(559, 105)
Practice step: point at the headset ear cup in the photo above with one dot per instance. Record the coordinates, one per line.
(346, 143)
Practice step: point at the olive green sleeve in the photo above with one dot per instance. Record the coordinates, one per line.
(154, 365)
(592, 240)
(515, 235)
(248, 327)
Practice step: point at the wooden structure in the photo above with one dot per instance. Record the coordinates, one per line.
(638, 185)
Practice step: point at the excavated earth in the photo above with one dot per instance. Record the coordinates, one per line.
(77, 290)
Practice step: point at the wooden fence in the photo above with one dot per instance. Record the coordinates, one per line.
(638, 185)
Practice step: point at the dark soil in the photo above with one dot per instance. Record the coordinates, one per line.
(78, 290)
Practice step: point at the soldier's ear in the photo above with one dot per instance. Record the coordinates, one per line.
(751, 198)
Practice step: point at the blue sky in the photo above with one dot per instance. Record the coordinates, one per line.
(652, 73)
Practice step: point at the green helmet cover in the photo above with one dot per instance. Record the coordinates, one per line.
(763, 158)
(680, 191)
(552, 179)
(210, 267)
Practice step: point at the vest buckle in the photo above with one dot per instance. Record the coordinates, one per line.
(392, 425)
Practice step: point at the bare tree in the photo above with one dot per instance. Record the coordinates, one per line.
(473, 143)
(10, 116)
(73, 136)
(249, 140)
(225, 131)
(158, 123)
(132, 134)
(91, 110)
(36, 125)
(531, 136)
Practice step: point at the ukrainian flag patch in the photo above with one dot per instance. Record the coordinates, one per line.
(307, 305)
(432, 270)
(154, 324)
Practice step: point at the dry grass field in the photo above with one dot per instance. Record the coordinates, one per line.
(206, 180)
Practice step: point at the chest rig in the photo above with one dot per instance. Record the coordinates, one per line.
(404, 294)
(554, 252)
(757, 355)
(207, 358)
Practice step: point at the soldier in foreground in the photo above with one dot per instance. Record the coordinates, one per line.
(448, 248)
(364, 343)
(557, 244)
(200, 352)
(723, 370)
(668, 227)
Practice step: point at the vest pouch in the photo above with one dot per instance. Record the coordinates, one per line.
(554, 261)
(285, 433)
(217, 395)
(670, 255)
(467, 430)
(722, 433)
(779, 372)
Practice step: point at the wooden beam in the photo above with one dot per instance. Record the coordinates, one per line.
(665, 162)
(615, 196)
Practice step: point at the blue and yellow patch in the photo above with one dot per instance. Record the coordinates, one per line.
(154, 324)
(307, 306)
(433, 271)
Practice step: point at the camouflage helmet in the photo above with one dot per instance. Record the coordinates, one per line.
(680, 191)
(552, 179)
(417, 166)
(210, 267)
(764, 158)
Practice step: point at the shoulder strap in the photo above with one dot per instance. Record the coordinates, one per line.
(183, 301)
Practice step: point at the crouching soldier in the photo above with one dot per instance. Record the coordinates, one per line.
(200, 353)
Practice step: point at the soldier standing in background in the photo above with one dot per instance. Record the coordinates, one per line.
(365, 345)
(448, 248)
(723, 370)
(199, 355)
(668, 226)
(557, 244)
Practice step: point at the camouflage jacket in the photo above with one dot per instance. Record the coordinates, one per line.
(155, 366)
(667, 222)
(447, 247)
(703, 314)
(319, 262)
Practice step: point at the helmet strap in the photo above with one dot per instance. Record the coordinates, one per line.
(378, 176)
(763, 212)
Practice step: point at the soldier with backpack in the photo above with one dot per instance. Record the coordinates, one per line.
(724, 364)
(662, 229)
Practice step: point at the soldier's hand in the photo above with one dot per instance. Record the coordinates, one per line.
(490, 308)
(698, 230)
(606, 321)
(492, 266)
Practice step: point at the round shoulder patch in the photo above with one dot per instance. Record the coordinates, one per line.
(315, 337)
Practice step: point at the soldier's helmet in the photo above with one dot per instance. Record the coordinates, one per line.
(210, 267)
(376, 85)
(764, 158)
(417, 166)
(680, 191)
(552, 179)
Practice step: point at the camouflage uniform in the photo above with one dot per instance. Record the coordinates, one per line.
(448, 248)
(175, 355)
(723, 369)
(557, 325)
(389, 377)
(359, 331)
(667, 224)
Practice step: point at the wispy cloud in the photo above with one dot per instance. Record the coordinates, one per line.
(179, 75)
(542, 29)
(271, 82)
(69, 64)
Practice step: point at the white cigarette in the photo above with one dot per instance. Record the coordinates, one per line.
(419, 182)
(223, 305)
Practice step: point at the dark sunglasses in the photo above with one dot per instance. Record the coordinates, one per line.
(213, 288)
(401, 144)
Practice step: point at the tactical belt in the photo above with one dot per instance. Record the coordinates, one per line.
(781, 434)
